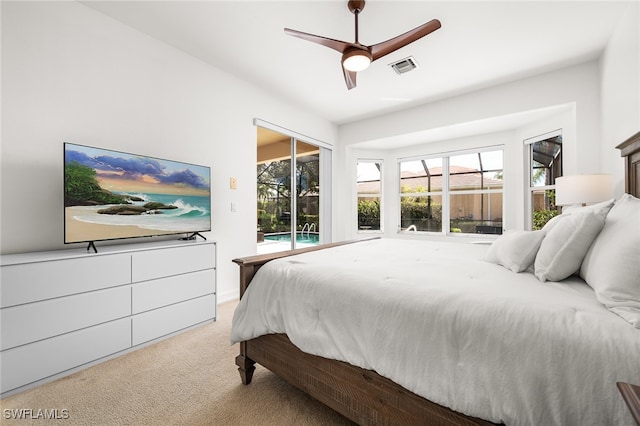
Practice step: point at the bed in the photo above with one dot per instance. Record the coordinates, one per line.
(475, 343)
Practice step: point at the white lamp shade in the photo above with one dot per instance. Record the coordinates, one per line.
(583, 189)
(356, 60)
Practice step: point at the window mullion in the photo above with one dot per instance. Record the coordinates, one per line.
(446, 202)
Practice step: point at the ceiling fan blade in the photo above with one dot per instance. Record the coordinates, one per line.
(349, 78)
(381, 49)
(338, 45)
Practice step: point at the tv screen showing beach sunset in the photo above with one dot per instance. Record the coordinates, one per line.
(112, 195)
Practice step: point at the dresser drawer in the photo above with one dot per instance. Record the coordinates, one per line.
(160, 322)
(159, 263)
(166, 291)
(36, 321)
(32, 282)
(63, 310)
(29, 363)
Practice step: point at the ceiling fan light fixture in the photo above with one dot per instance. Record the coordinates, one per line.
(356, 60)
(356, 56)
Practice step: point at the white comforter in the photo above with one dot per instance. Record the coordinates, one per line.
(467, 334)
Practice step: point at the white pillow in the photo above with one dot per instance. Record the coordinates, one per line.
(612, 264)
(565, 245)
(601, 208)
(553, 222)
(515, 250)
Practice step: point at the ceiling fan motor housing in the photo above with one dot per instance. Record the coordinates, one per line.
(355, 6)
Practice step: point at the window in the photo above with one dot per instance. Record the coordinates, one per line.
(421, 183)
(545, 165)
(459, 193)
(475, 182)
(369, 183)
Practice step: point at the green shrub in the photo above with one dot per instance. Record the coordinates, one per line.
(541, 217)
(266, 222)
(369, 213)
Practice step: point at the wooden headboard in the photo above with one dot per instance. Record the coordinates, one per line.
(630, 150)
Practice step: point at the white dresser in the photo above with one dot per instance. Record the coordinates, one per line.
(64, 310)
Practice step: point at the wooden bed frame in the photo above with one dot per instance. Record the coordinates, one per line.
(630, 150)
(363, 396)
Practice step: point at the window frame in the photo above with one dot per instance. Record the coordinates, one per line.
(528, 184)
(445, 193)
(380, 195)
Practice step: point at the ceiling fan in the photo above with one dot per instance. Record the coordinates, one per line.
(356, 56)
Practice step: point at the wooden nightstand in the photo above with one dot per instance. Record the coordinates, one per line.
(631, 395)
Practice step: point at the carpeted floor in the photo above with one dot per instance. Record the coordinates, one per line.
(189, 379)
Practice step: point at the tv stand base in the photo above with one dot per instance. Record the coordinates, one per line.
(193, 237)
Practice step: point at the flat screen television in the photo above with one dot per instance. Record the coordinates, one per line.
(112, 195)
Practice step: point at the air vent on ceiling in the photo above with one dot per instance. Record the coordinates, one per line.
(404, 65)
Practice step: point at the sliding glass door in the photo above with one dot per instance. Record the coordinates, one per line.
(274, 197)
(307, 175)
(289, 179)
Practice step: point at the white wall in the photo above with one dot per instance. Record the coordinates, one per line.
(72, 74)
(620, 67)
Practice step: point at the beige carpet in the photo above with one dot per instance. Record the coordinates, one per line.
(189, 379)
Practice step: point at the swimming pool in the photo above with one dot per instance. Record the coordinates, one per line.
(307, 237)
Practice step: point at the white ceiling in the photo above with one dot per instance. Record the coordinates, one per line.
(481, 43)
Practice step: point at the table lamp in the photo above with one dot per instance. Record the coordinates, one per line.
(583, 189)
